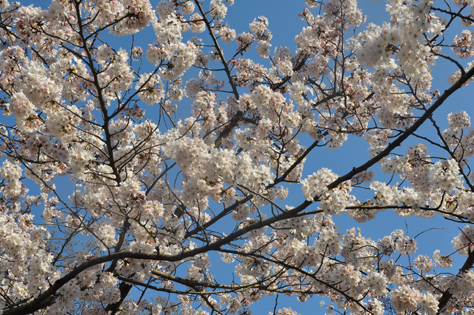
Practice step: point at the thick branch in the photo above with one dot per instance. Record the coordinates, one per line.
(407, 133)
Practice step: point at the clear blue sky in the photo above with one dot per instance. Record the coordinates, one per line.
(285, 24)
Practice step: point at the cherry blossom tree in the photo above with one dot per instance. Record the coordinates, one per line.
(128, 173)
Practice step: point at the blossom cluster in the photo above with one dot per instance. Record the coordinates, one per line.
(211, 166)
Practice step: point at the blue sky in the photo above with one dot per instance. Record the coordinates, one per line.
(285, 24)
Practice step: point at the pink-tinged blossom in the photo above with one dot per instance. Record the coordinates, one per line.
(227, 34)
(423, 263)
(463, 242)
(377, 284)
(405, 298)
(217, 9)
(150, 88)
(315, 185)
(213, 164)
(197, 23)
(244, 41)
(139, 14)
(164, 9)
(187, 7)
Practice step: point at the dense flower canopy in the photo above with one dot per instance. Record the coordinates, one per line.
(128, 170)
